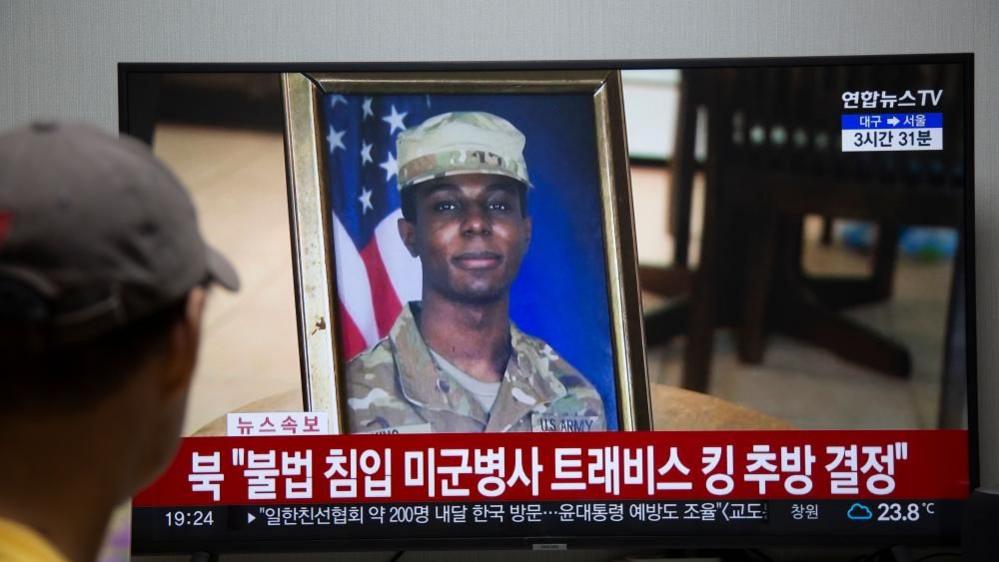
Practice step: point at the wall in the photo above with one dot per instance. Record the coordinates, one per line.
(59, 59)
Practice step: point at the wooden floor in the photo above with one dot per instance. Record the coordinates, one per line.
(250, 349)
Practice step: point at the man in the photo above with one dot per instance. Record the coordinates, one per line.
(102, 287)
(454, 362)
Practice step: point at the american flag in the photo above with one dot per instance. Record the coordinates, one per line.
(375, 274)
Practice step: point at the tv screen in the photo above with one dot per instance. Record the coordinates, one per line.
(617, 303)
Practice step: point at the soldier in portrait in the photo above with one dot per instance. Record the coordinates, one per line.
(454, 361)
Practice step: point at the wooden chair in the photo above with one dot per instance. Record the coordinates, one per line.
(774, 157)
(890, 189)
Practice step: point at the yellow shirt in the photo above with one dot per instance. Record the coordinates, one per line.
(19, 543)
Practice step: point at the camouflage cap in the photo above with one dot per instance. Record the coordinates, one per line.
(461, 142)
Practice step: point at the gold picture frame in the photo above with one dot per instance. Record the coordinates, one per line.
(313, 247)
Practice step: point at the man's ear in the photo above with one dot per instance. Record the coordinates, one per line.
(184, 343)
(407, 231)
(528, 231)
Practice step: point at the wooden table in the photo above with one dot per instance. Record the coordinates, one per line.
(672, 408)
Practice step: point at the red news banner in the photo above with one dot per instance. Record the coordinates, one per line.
(687, 465)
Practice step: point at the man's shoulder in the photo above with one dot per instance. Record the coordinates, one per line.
(21, 542)
(575, 383)
(375, 401)
(380, 356)
(374, 368)
(581, 398)
(556, 365)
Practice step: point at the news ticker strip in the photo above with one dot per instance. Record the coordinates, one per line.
(565, 467)
(451, 520)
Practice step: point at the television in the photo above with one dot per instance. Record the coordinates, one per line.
(750, 276)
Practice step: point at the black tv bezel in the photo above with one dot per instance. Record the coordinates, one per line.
(128, 70)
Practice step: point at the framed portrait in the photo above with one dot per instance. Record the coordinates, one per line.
(464, 251)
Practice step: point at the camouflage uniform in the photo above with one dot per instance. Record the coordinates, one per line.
(396, 387)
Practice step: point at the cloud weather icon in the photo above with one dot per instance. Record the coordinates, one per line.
(859, 512)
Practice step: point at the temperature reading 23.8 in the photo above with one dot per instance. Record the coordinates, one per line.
(905, 511)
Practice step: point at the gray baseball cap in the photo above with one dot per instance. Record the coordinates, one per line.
(95, 233)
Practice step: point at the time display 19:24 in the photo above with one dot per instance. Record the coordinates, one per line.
(190, 518)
